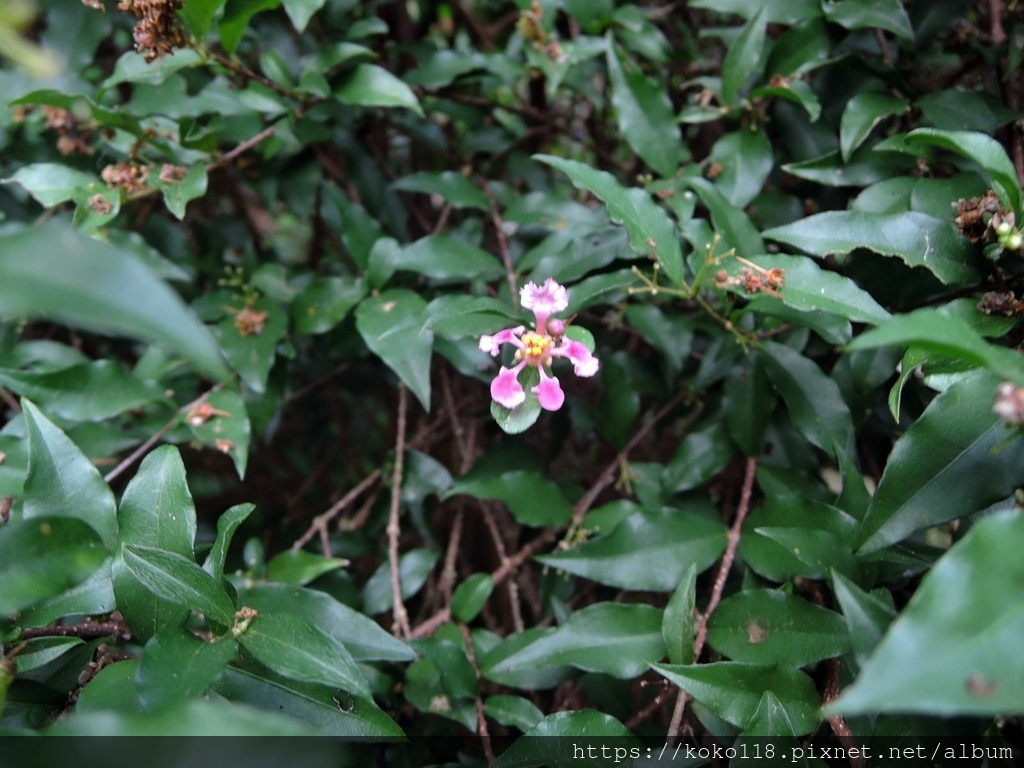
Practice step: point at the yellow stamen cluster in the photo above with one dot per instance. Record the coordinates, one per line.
(536, 349)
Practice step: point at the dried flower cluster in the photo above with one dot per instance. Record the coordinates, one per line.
(995, 303)
(754, 279)
(127, 176)
(1009, 404)
(975, 215)
(157, 31)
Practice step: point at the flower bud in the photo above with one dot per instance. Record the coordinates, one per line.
(556, 328)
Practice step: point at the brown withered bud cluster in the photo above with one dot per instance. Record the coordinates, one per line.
(157, 31)
(531, 26)
(1009, 404)
(754, 279)
(127, 176)
(995, 303)
(249, 322)
(73, 131)
(975, 215)
(172, 174)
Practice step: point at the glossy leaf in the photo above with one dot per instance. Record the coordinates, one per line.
(748, 404)
(227, 430)
(413, 569)
(514, 711)
(298, 567)
(764, 626)
(391, 324)
(178, 666)
(179, 192)
(679, 624)
(179, 580)
(561, 740)
(249, 336)
(371, 86)
(744, 55)
(295, 648)
(531, 498)
(700, 456)
(862, 113)
(649, 228)
(100, 286)
(44, 556)
(52, 184)
(650, 550)
(953, 461)
(615, 639)
(733, 690)
(455, 189)
(83, 392)
(954, 649)
(61, 482)
(889, 15)
(324, 303)
(227, 524)
(471, 595)
(919, 240)
(866, 616)
(441, 258)
(742, 161)
(645, 115)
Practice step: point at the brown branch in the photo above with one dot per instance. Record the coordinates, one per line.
(499, 232)
(401, 624)
(320, 522)
(481, 720)
(718, 589)
(995, 12)
(837, 723)
(89, 630)
(244, 71)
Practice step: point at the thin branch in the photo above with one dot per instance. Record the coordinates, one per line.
(401, 626)
(499, 231)
(995, 12)
(481, 720)
(145, 448)
(320, 521)
(719, 587)
(8, 398)
(89, 630)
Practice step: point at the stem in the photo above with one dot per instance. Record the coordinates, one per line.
(401, 626)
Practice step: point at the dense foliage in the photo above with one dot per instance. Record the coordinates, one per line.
(473, 368)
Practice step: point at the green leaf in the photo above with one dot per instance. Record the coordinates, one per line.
(611, 638)
(744, 161)
(747, 403)
(132, 67)
(227, 524)
(362, 636)
(530, 497)
(730, 221)
(198, 15)
(294, 647)
(862, 113)
(440, 258)
(594, 729)
(916, 238)
(318, 706)
(514, 421)
(61, 482)
(79, 280)
(513, 711)
(44, 556)
(868, 165)
(982, 149)
(178, 193)
(324, 303)
(764, 626)
(299, 567)
(52, 184)
(776, 11)
(889, 15)
(228, 430)
(679, 624)
(645, 115)
(732, 690)
(455, 189)
(413, 569)
(700, 456)
(179, 580)
(518, 676)
(649, 550)
(177, 666)
(301, 11)
(85, 392)
(237, 14)
(93, 596)
(744, 55)
(649, 228)
(391, 324)
(952, 462)
(249, 336)
(955, 649)
(815, 403)
(818, 550)
(471, 595)
(866, 616)
(156, 511)
(40, 651)
(371, 86)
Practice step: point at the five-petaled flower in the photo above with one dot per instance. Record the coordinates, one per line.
(537, 348)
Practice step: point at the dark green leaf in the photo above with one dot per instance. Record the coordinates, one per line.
(179, 580)
(700, 456)
(612, 638)
(192, 718)
(228, 430)
(249, 336)
(61, 482)
(413, 569)
(536, 748)
(453, 188)
(440, 258)
(743, 159)
(198, 15)
(294, 647)
(765, 626)
(730, 222)
(679, 624)
(237, 14)
(177, 666)
(866, 616)
(299, 567)
(371, 86)
(744, 55)
(531, 498)
(44, 556)
(79, 280)
(955, 648)
(862, 113)
(889, 15)
(227, 524)
(649, 227)
(471, 595)
(916, 238)
(952, 462)
(391, 324)
(513, 711)
(748, 401)
(324, 303)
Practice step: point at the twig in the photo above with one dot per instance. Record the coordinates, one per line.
(241, 69)
(8, 398)
(143, 449)
(401, 626)
(320, 521)
(245, 146)
(499, 231)
(995, 12)
(838, 724)
(448, 573)
(719, 587)
(88, 631)
(481, 720)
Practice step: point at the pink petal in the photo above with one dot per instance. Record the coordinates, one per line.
(584, 363)
(545, 299)
(492, 344)
(506, 389)
(549, 392)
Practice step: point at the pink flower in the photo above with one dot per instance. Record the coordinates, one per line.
(538, 348)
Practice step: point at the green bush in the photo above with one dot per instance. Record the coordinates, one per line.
(288, 445)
